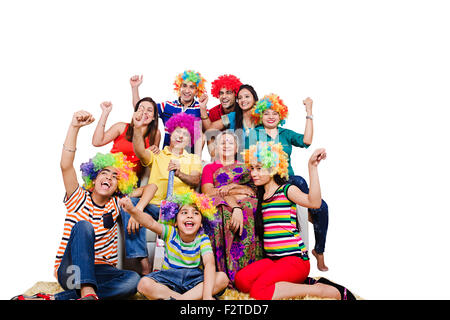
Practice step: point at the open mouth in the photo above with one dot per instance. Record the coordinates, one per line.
(189, 224)
(105, 185)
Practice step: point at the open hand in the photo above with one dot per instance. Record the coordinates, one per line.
(237, 221)
(203, 100)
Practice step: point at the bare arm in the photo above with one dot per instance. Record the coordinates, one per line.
(135, 82)
(309, 130)
(314, 198)
(209, 275)
(100, 137)
(143, 219)
(138, 140)
(79, 119)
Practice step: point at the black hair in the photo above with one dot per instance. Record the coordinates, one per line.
(239, 116)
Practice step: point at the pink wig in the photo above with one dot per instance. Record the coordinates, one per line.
(227, 81)
(183, 120)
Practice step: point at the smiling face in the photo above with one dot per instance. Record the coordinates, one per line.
(188, 91)
(270, 119)
(227, 99)
(188, 222)
(148, 111)
(106, 182)
(260, 175)
(226, 146)
(245, 99)
(180, 138)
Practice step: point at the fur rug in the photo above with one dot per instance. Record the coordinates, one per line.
(230, 294)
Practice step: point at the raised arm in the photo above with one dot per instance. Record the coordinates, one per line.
(308, 135)
(138, 139)
(206, 122)
(79, 119)
(135, 82)
(143, 219)
(314, 198)
(102, 137)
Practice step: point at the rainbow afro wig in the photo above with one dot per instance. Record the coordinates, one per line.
(227, 81)
(271, 101)
(127, 179)
(270, 155)
(191, 76)
(187, 197)
(184, 120)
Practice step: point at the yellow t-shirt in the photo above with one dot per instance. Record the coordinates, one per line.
(159, 174)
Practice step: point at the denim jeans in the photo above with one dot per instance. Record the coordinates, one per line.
(77, 267)
(319, 216)
(136, 243)
(179, 280)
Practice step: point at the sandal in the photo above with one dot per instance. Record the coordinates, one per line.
(345, 293)
(37, 296)
(91, 296)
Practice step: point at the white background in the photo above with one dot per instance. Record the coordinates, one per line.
(378, 72)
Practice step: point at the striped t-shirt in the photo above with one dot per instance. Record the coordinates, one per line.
(281, 235)
(178, 254)
(81, 207)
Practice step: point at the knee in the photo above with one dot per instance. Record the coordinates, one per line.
(83, 228)
(241, 282)
(147, 287)
(130, 283)
(222, 280)
(260, 291)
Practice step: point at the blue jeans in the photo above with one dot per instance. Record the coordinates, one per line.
(319, 216)
(179, 280)
(77, 267)
(136, 243)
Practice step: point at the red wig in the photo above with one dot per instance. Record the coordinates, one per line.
(227, 81)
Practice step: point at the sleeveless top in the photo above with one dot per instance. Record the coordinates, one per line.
(281, 235)
(121, 144)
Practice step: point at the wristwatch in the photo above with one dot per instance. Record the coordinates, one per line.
(309, 117)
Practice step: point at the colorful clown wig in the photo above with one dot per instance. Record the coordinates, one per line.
(190, 76)
(271, 101)
(187, 196)
(127, 179)
(184, 120)
(270, 155)
(227, 81)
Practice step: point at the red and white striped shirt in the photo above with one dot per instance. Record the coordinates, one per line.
(81, 207)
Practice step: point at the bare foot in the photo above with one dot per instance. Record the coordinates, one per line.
(320, 261)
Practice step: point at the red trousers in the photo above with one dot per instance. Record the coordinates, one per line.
(260, 277)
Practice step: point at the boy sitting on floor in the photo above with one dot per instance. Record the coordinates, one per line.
(189, 270)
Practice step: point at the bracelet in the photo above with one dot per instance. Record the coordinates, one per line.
(309, 117)
(67, 149)
(204, 118)
(232, 210)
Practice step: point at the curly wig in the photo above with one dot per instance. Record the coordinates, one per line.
(187, 196)
(271, 101)
(227, 81)
(183, 120)
(127, 177)
(270, 155)
(190, 76)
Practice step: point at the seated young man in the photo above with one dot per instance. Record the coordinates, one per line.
(86, 260)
